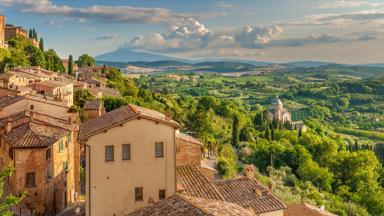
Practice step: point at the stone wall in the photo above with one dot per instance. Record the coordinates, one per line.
(187, 152)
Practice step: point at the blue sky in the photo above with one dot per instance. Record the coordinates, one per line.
(344, 31)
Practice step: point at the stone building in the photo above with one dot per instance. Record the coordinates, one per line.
(12, 31)
(93, 109)
(2, 31)
(41, 149)
(130, 160)
(278, 112)
(61, 90)
(188, 150)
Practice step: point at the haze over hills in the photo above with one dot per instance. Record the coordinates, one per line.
(123, 57)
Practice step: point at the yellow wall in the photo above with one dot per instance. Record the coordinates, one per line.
(274, 213)
(112, 183)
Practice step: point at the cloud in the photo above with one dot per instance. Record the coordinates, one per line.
(258, 36)
(348, 4)
(366, 38)
(312, 39)
(98, 13)
(108, 37)
(223, 4)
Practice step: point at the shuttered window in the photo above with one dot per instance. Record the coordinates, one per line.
(159, 149)
(109, 153)
(126, 152)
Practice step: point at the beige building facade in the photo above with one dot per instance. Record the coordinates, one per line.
(130, 160)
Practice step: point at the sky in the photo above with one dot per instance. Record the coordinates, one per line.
(341, 31)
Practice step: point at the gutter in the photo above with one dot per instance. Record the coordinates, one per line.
(88, 163)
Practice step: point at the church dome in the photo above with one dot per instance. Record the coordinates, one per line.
(277, 102)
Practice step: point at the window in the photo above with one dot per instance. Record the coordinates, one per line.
(126, 151)
(30, 181)
(10, 153)
(48, 154)
(69, 138)
(109, 153)
(161, 194)
(61, 146)
(65, 166)
(159, 149)
(139, 194)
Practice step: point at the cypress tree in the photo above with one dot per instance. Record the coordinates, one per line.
(70, 65)
(273, 134)
(235, 131)
(41, 44)
(300, 134)
(266, 134)
(30, 35)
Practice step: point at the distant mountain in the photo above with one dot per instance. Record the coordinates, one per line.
(129, 55)
(307, 63)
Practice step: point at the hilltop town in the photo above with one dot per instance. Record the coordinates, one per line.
(83, 139)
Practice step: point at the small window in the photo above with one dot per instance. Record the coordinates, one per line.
(69, 138)
(159, 149)
(48, 154)
(161, 194)
(65, 166)
(61, 146)
(126, 151)
(109, 153)
(31, 107)
(30, 181)
(139, 194)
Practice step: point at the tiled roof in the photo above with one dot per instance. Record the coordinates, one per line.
(188, 138)
(304, 209)
(120, 116)
(33, 134)
(9, 100)
(92, 105)
(195, 183)
(244, 192)
(179, 205)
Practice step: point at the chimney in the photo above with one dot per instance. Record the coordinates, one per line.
(259, 192)
(9, 126)
(249, 171)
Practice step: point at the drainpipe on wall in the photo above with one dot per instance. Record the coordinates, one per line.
(88, 163)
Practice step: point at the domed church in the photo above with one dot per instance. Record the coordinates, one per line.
(278, 112)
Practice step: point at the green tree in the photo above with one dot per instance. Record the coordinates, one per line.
(70, 65)
(7, 201)
(319, 176)
(235, 131)
(34, 55)
(53, 61)
(41, 44)
(81, 96)
(86, 60)
(199, 121)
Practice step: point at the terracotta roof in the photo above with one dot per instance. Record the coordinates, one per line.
(249, 193)
(194, 183)
(304, 209)
(120, 116)
(92, 105)
(188, 138)
(179, 205)
(33, 134)
(9, 100)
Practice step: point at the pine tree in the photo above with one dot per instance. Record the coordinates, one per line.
(41, 44)
(70, 65)
(235, 131)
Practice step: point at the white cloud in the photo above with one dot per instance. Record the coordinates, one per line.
(348, 4)
(253, 37)
(223, 4)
